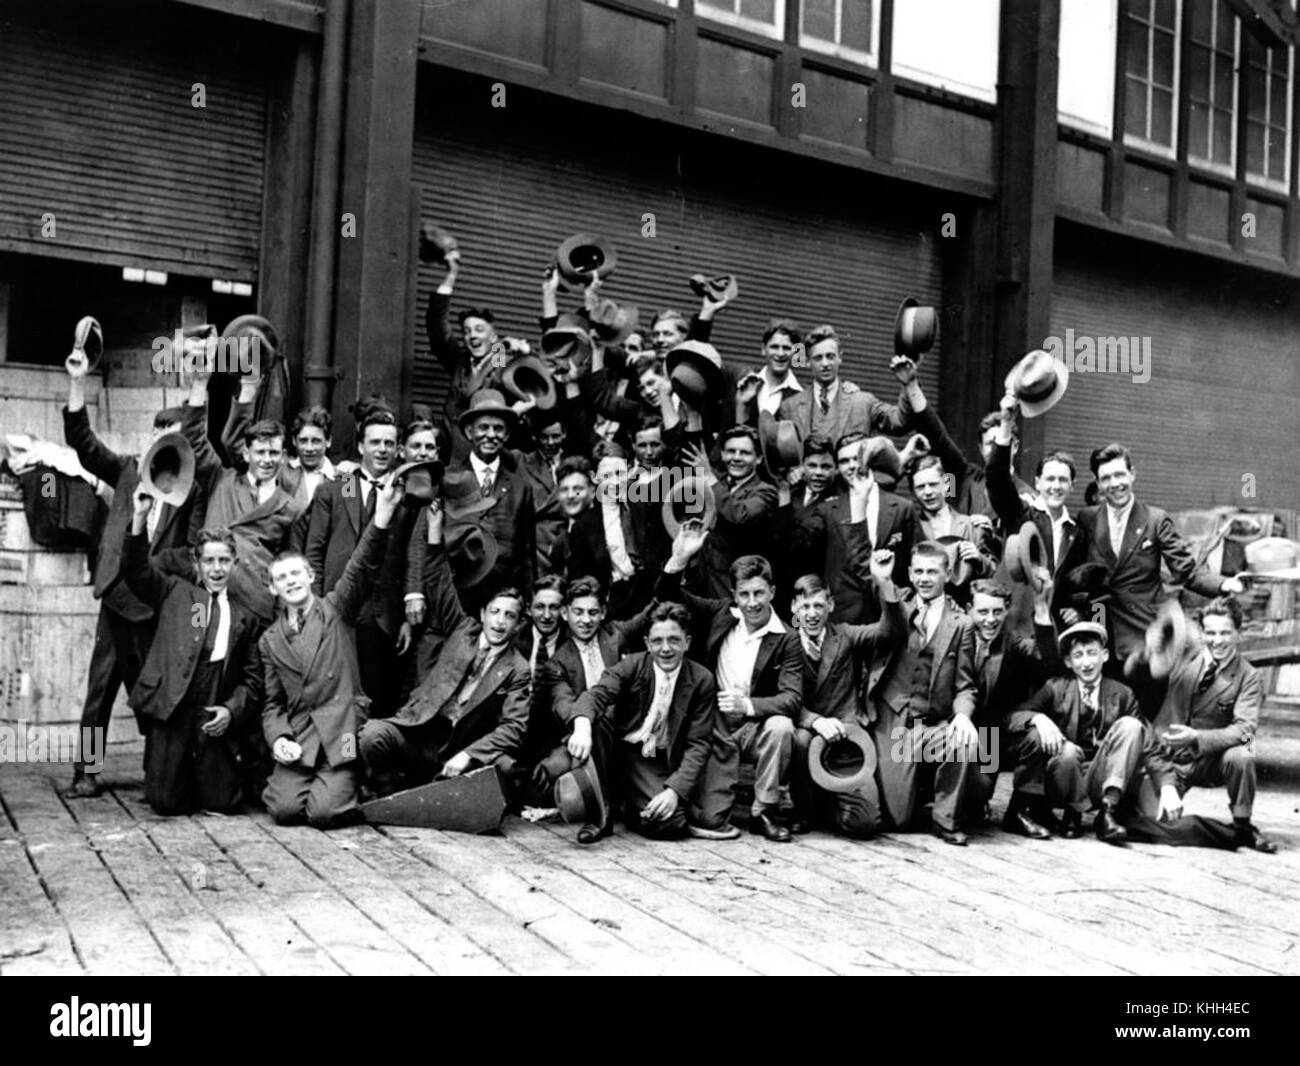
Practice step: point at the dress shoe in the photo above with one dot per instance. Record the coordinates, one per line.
(589, 834)
(1020, 823)
(1108, 829)
(83, 786)
(723, 832)
(1250, 837)
(797, 825)
(1071, 824)
(955, 837)
(765, 826)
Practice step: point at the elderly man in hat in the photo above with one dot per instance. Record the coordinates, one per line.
(472, 708)
(125, 627)
(1209, 703)
(1131, 540)
(835, 655)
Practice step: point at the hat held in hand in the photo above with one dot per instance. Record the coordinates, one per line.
(718, 289)
(436, 243)
(88, 339)
(1038, 382)
(530, 378)
(585, 254)
(167, 471)
(914, 328)
(695, 370)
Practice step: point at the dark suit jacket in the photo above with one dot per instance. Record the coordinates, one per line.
(173, 657)
(511, 519)
(583, 552)
(120, 471)
(1134, 585)
(1224, 715)
(623, 698)
(776, 685)
(853, 409)
(311, 678)
(833, 685)
(562, 680)
(334, 526)
(744, 527)
(494, 720)
(952, 675)
(838, 549)
(1016, 667)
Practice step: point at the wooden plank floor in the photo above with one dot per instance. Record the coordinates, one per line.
(104, 886)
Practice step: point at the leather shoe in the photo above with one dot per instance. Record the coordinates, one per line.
(954, 837)
(765, 826)
(1020, 823)
(83, 787)
(589, 834)
(1108, 829)
(1071, 824)
(1250, 837)
(795, 823)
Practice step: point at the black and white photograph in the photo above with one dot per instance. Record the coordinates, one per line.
(651, 488)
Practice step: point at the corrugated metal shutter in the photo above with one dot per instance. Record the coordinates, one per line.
(1223, 399)
(807, 240)
(105, 138)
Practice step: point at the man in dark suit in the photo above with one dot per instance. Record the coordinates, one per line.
(1131, 539)
(464, 351)
(488, 484)
(847, 527)
(314, 706)
(1084, 743)
(472, 708)
(193, 685)
(647, 724)
(835, 654)
(807, 485)
(540, 470)
(922, 695)
(125, 626)
(758, 665)
(1208, 713)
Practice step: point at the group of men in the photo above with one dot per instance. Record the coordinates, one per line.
(646, 569)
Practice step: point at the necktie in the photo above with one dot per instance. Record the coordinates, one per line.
(485, 484)
(472, 677)
(593, 664)
(368, 511)
(824, 399)
(812, 648)
(1211, 672)
(1090, 697)
(981, 654)
(542, 653)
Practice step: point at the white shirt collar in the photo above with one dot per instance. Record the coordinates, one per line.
(480, 468)
(773, 625)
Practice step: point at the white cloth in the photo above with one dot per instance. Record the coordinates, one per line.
(155, 517)
(221, 641)
(873, 510)
(770, 396)
(612, 518)
(593, 663)
(651, 730)
(1118, 521)
(927, 617)
(25, 451)
(262, 489)
(739, 652)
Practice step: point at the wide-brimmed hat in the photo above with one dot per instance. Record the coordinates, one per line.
(583, 254)
(695, 369)
(258, 329)
(472, 552)
(676, 508)
(1026, 556)
(717, 288)
(530, 377)
(879, 453)
(1167, 639)
(487, 402)
(1038, 382)
(779, 438)
(614, 322)
(421, 481)
(914, 328)
(567, 340)
(88, 339)
(1080, 629)
(169, 454)
(435, 243)
(579, 797)
(844, 765)
(959, 569)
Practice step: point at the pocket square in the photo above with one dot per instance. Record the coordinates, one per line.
(894, 538)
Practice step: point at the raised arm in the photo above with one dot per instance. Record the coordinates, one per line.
(444, 611)
(362, 571)
(93, 454)
(142, 578)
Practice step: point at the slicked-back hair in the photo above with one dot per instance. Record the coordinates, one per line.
(608, 449)
(315, 415)
(508, 593)
(810, 585)
(376, 416)
(585, 586)
(781, 325)
(824, 332)
(574, 464)
(986, 586)
(818, 444)
(475, 312)
(1224, 607)
(1108, 454)
(750, 566)
(215, 535)
(748, 432)
(674, 316)
(672, 612)
(1064, 458)
(266, 429)
(929, 549)
(550, 583)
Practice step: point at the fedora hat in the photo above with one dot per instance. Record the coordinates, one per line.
(914, 328)
(1038, 382)
(780, 441)
(579, 798)
(435, 243)
(676, 497)
(583, 254)
(843, 765)
(1167, 639)
(88, 339)
(695, 369)
(717, 288)
(471, 553)
(421, 481)
(487, 402)
(1089, 577)
(470, 803)
(879, 453)
(614, 322)
(530, 377)
(1025, 555)
(959, 569)
(1080, 629)
(567, 340)
(255, 329)
(169, 454)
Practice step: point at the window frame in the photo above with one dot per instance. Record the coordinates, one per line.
(775, 30)
(843, 51)
(1133, 140)
(1259, 178)
(1228, 169)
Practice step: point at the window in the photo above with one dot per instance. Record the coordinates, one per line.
(1085, 84)
(841, 27)
(1151, 73)
(1212, 49)
(1268, 113)
(953, 46)
(761, 16)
